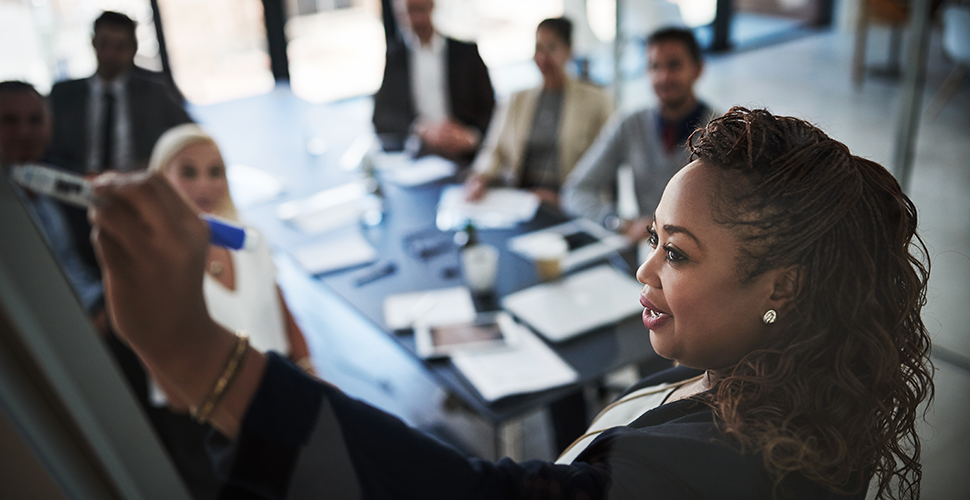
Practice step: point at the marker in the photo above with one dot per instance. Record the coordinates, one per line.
(76, 190)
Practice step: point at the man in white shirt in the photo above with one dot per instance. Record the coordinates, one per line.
(435, 89)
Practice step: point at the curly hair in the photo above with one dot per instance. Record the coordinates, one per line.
(834, 396)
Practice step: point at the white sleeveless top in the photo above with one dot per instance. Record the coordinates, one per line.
(253, 307)
(622, 413)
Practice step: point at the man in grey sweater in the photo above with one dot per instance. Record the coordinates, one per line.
(652, 141)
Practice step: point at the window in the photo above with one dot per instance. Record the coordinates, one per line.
(217, 48)
(44, 41)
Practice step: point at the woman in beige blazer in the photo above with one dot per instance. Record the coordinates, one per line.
(539, 135)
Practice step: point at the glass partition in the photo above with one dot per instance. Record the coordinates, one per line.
(46, 41)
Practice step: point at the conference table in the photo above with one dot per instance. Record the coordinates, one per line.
(424, 257)
(410, 215)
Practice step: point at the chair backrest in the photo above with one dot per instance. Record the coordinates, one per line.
(956, 33)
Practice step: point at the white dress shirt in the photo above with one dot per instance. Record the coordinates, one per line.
(429, 79)
(122, 146)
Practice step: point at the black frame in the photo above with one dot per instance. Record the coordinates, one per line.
(274, 15)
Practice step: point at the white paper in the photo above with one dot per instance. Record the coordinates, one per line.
(432, 307)
(499, 208)
(529, 366)
(326, 210)
(251, 186)
(416, 172)
(578, 303)
(349, 249)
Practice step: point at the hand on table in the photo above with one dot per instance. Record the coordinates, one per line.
(475, 187)
(547, 196)
(449, 138)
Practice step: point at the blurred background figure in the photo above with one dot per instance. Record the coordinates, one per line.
(435, 89)
(240, 293)
(539, 135)
(240, 286)
(651, 141)
(111, 120)
(25, 131)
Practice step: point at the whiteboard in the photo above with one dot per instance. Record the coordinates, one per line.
(59, 387)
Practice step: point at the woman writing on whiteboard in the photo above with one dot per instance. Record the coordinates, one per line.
(786, 274)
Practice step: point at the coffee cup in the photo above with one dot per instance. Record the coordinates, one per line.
(480, 264)
(547, 252)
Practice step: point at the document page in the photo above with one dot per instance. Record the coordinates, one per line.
(528, 365)
(347, 249)
(432, 307)
(499, 208)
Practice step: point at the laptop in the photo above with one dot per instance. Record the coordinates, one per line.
(576, 304)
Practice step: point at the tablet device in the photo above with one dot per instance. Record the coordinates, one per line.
(487, 331)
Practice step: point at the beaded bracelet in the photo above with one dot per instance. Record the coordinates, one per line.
(229, 372)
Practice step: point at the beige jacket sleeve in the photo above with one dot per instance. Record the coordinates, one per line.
(586, 108)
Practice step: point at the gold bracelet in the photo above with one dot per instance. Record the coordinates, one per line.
(229, 372)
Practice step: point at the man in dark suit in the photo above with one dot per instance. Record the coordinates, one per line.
(435, 89)
(111, 120)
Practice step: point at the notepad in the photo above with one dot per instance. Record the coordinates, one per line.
(417, 171)
(325, 210)
(345, 250)
(251, 186)
(433, 307)
(577, 304)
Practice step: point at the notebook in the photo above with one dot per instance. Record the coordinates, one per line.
(576, 304)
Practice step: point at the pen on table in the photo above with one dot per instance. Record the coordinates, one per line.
(76, 190)
(375, 272)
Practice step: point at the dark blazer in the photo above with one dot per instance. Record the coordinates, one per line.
(151, 108)
(308, 439)
(472, 98)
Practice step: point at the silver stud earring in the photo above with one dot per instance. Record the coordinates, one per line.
(769, 317)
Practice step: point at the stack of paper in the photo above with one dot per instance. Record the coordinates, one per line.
(433, 307)
(326, 210)
(345, 249)
(251, 186)
(528, 366)
(414, 172)
(499, 208)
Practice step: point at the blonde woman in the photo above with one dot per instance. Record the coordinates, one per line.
(240, 292)
(240, 286)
